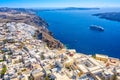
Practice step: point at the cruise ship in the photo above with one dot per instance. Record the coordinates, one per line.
(97, 28)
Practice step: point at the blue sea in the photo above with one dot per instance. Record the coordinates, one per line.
(71, 27)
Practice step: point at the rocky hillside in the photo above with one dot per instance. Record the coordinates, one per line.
(27, 16)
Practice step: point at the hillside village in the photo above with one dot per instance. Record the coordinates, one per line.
(24, 57)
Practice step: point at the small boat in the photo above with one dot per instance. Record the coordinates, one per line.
(97, 28)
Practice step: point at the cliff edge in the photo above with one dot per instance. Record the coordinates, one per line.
(27, 16)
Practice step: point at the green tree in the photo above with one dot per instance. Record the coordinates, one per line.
(31, 78)
(94, 56)
(115, 77)
(4, 69)
(42, 57)
(46, 78)
(1, 60)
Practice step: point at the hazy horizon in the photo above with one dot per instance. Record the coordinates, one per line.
(60, 7)
(58, 4)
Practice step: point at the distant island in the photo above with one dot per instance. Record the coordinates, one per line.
(114, 16)
(69, 8)
(76, 8)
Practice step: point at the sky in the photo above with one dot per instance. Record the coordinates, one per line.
(59, 3)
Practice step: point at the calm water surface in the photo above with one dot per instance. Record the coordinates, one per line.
(72, 28)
